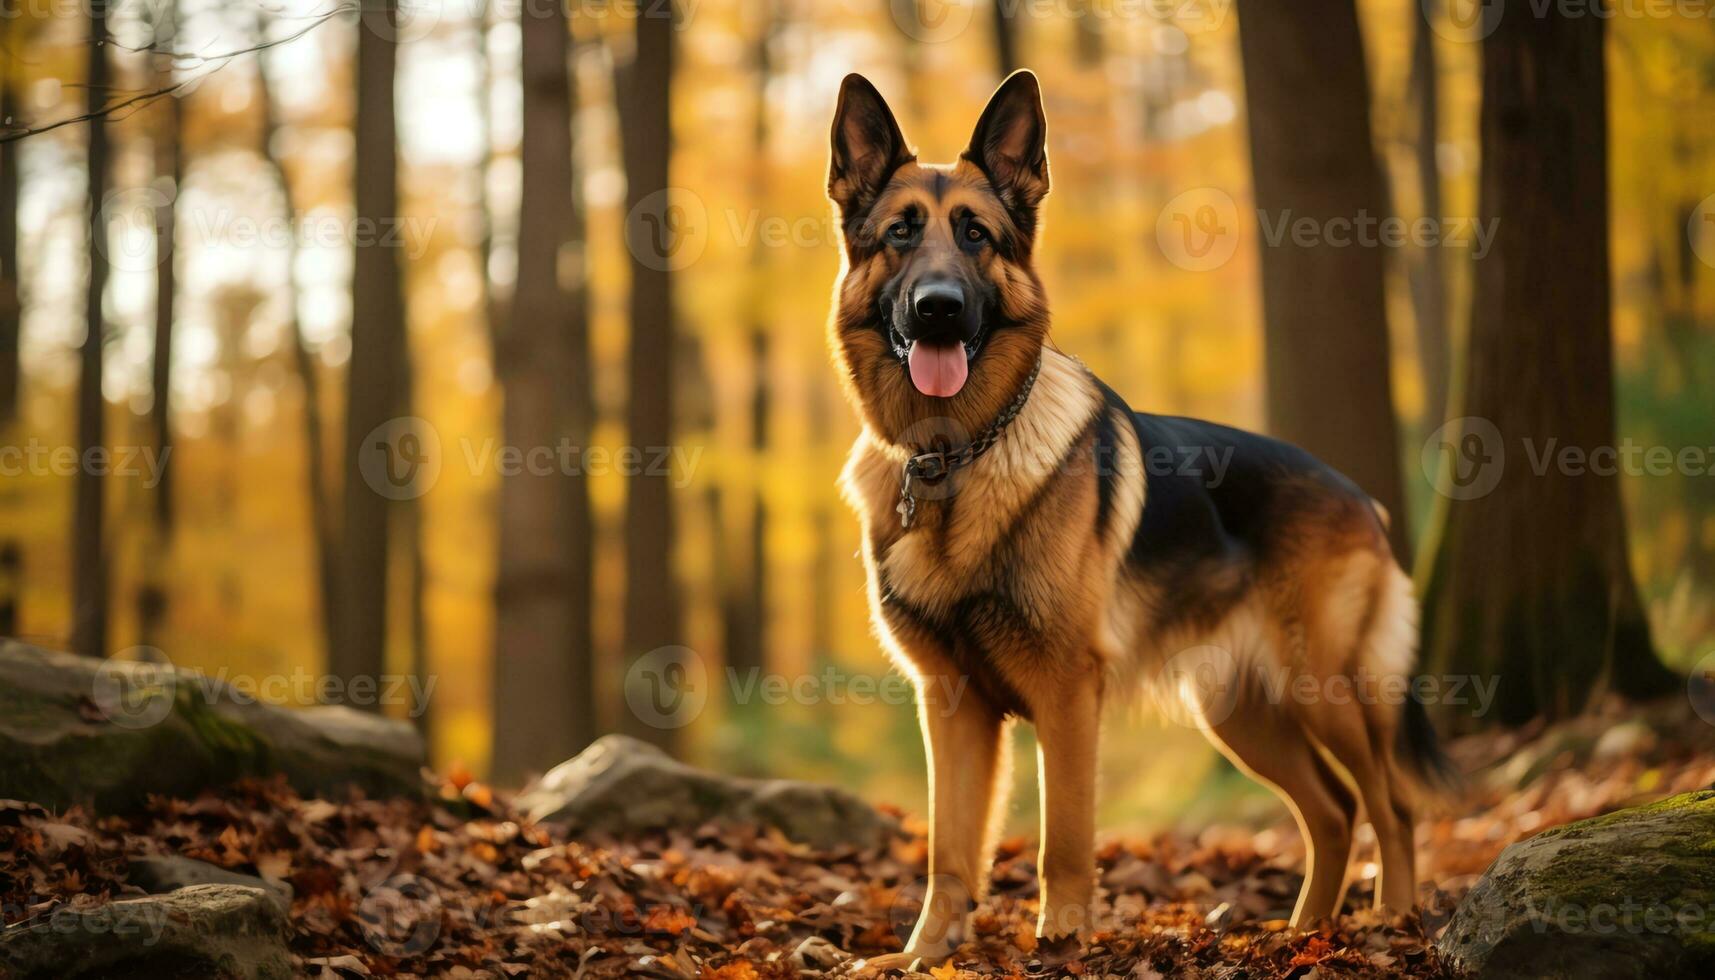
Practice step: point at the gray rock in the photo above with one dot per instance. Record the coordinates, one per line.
(158, 874)
(108, 733)
(623, 786)
(1629, 894)
(213, 931)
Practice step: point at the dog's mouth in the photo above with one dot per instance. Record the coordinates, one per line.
(938, 368)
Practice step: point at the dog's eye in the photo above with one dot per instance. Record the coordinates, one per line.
(899, 232)
(976, 233)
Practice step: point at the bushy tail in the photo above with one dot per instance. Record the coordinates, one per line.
(1417, 745)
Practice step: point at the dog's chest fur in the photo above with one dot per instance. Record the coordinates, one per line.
(1001, 568)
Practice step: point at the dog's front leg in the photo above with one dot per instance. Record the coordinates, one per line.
(1067, 731)
(962, 738)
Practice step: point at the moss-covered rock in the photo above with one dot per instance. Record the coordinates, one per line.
(161, 874)
(621, 786)
(225, 931)
(74, 730)
(1628, 894)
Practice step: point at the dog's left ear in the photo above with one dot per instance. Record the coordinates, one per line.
(1010, 143)
(866, 147)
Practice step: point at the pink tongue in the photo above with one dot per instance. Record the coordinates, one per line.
(937, 370)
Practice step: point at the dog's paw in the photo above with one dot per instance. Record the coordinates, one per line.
(909, 961)
(1055, 952)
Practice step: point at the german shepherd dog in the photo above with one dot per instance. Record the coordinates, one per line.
(1021, 531)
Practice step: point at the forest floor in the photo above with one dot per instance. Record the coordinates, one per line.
(403, 888)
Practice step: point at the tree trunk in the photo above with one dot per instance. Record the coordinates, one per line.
(1006, 36)
(1427, 275)
(746, 590)
(493, 309)
(544, 697)
(1529, 584)
(11, 315)
(375, 373)
(651, 589)
(169, 164)
(1323, 305)
(416, 585)
(11, 302)
(89, 559)
(825, 557)
(304, 364)
(1087, 34)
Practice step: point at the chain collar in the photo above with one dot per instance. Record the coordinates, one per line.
(934, 465)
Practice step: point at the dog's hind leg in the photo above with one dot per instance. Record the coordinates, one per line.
(1351, 736)
(1359, 732)
(1269, 744)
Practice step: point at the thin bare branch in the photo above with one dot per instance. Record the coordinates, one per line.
(142, 99)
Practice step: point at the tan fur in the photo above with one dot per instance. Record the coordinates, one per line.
(1060, 620)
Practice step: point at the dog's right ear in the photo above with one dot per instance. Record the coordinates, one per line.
(867, 147)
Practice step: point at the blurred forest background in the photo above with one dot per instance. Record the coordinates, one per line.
(311, 223)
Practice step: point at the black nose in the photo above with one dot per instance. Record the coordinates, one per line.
(938, 303)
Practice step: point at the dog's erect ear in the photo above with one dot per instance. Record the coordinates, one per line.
(1010, 143)
(867, 147)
